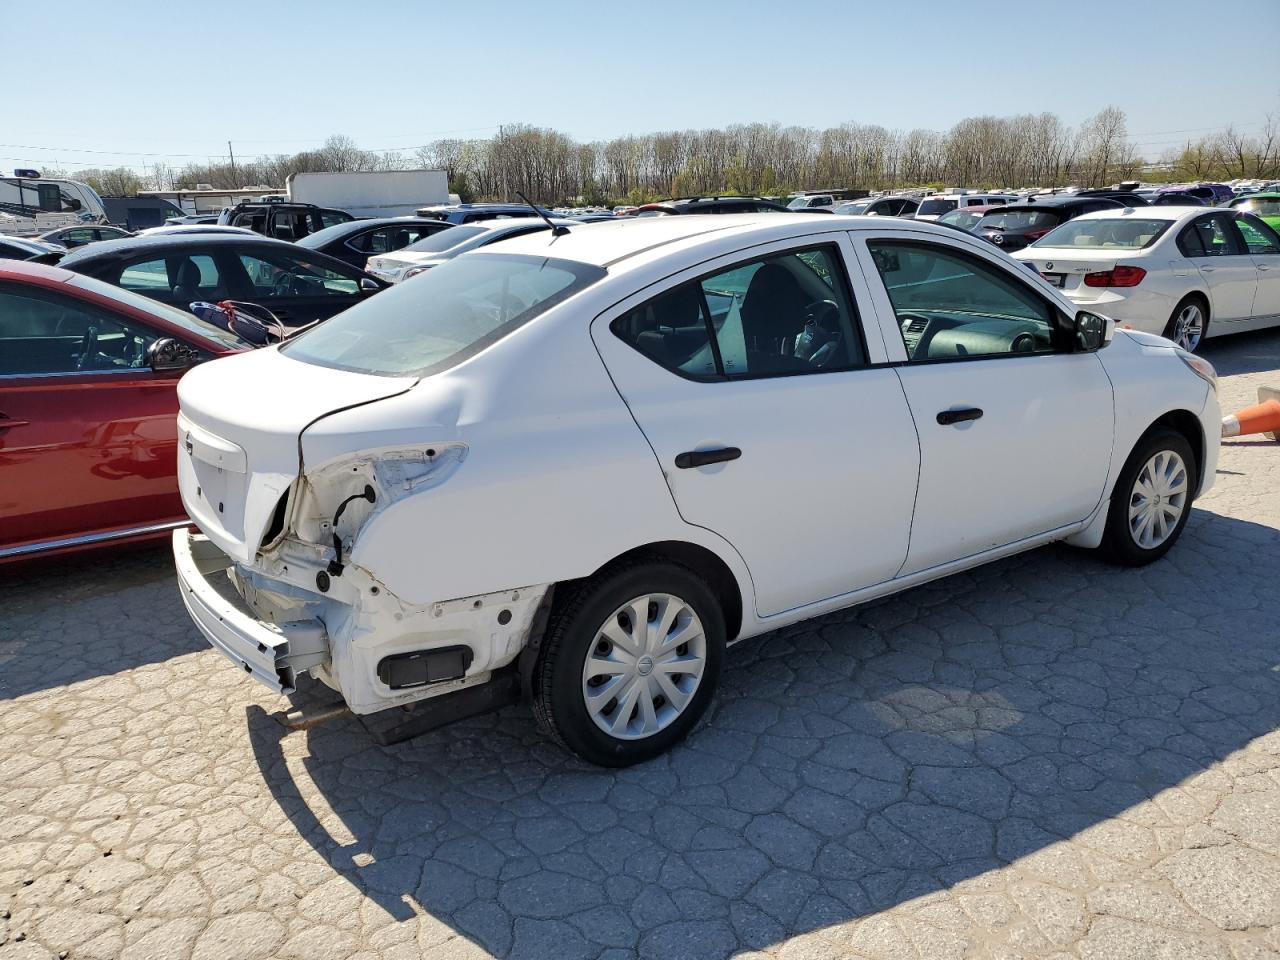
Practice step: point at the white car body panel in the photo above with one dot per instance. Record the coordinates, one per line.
(501, 476)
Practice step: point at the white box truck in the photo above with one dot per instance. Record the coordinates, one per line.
(380, 193)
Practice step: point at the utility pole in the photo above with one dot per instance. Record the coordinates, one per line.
(501, 142)
(232, 154)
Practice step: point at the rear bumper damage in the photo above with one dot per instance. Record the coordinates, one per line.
(271, 653)
(358, 638)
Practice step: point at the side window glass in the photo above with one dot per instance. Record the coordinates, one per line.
(331, 218)
(47, 336)
(181, 278)
(1214, 241)
(1257, 236)
(1189, 242)
(284, 277)
(784, 314)
(672, 331)
(951, 307)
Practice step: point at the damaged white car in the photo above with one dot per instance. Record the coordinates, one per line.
(583, 462)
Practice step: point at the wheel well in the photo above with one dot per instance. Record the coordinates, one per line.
(703, 562)
(1187, 424)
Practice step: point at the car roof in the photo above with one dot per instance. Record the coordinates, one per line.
(1168, 212)
(126, 245)
(1060, 201)
(610, 244)
(24, 269)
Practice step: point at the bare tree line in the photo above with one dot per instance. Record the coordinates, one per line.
(1028, 150)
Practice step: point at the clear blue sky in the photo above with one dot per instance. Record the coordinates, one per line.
(175, 79)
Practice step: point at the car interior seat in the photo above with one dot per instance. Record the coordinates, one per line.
(773, 314)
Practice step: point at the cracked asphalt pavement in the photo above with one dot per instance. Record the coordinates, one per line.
(1046, 757)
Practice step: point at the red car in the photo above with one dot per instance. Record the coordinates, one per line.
(88, 402)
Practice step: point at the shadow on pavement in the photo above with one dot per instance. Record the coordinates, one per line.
(850, 763)
(68, 619)
(1242, 352)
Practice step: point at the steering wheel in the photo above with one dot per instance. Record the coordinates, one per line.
(88, 347)
(284, 285)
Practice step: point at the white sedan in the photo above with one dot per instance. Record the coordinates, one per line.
(584, 464)
(434, 250)
(1186, 273)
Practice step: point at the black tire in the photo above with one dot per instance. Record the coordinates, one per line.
(1171, 328)
(572, 632)
(1119, 543)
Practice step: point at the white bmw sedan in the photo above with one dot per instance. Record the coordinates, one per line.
(591, 462)
(1186, 273)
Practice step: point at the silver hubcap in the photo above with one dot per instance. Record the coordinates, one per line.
(1188, 327)
(1159, 496)
(644, 666)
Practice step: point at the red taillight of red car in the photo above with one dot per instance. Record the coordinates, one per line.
(1115, 277)
(1034, 235)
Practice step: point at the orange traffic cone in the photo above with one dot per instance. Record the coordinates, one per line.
(1262, 417)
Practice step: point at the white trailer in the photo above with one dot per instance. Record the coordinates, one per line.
(31, 204)
(381, 193)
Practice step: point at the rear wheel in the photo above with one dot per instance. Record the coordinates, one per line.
(1188, 324)
(629, 663)
(1152, 499)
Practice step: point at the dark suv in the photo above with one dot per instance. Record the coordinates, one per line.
(283, 221)
(1019, 224)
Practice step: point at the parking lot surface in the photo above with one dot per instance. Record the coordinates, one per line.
(1046, 757)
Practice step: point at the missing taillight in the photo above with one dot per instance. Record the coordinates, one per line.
(1115, 277)
(276, 526)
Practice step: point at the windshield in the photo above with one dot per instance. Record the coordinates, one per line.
(932, 208)
(853, 209)
(1119, 233)
(179, 318)
(1008, 220)
(798, 203)
(445, 239)
(1262, 206)
(444, 316)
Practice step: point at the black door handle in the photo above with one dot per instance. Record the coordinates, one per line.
(700, 458)
(948, 417)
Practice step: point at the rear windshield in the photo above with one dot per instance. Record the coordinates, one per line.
(445, 239)
(1019, 220)
(1118, 233)
(931, 208)
(438, 319)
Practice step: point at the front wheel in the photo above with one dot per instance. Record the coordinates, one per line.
(629, 663)
(1188, 324)
(1152, 499)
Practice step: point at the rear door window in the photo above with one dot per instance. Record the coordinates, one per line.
(1207, 237)
(783, 314)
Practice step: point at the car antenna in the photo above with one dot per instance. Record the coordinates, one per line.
(557, 229)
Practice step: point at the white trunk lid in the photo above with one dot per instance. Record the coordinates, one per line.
(238, 432)
(1065, 268)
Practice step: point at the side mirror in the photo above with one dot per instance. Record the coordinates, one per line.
(1092, 332)
(369, 285)
(168, 355)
